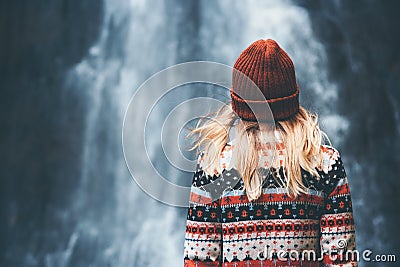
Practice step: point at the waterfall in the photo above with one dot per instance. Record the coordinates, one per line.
(117, 223)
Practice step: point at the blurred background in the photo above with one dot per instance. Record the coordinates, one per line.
(69, 68)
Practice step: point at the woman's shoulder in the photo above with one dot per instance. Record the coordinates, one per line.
(330, 151)
(225, 160)
(330, 157)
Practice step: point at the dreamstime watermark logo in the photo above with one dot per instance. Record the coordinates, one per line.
(339, 254)
(138, 132)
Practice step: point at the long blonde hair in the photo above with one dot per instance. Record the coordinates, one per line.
(300, 134)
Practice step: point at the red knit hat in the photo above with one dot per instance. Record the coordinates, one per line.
(272, 70)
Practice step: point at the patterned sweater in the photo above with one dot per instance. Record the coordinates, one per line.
(224, 229)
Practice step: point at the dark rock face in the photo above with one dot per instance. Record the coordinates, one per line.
(362, 40)
(41, 125)
(39, 37)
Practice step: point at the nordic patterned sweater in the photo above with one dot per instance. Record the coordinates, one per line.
(226, 229)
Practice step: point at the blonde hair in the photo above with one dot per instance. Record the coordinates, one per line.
(300, 134)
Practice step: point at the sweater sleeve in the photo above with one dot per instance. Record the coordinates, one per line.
(337, 239)
(203, 238)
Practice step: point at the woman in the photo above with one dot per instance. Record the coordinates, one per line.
(257, 202)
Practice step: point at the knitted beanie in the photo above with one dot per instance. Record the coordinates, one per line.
(270, 68)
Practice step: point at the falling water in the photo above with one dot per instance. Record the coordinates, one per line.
(118, 224)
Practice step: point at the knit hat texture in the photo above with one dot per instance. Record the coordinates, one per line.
(270, 68)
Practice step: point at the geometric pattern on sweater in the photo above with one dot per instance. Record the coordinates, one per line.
(225, 229)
